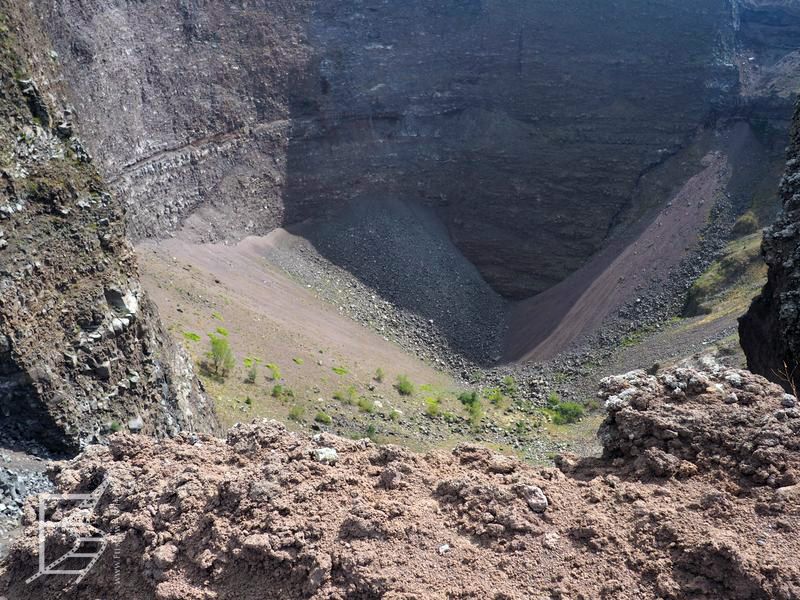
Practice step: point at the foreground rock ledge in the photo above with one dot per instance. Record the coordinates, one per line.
(695, 497)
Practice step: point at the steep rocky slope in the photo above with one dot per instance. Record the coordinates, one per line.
(508, 117)
(82, 351)
(695, 497)
(770, 331)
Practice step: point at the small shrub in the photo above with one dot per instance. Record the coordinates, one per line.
(509, 386)
(323, 418)
(475, 411)
(469, 398)
(432, 407)
(296, 413)
(339, 370)
(116, 426)
(404, 386)
(746, 224)
(371, 431)
(190, 336)
(379, 375)
(347, 396)
(252, 373)
(476, 376)
(495, 396)
(298, 361)
(222, 331)
(395, 415)
(220, 355)
(217, 316)
(563, 413)
(248, 401)
(366, 405)
(277, 390)
(274, 372)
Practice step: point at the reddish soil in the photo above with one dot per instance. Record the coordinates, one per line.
(696, 497)
(547, 324)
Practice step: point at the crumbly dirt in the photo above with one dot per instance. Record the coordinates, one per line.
(696, 496)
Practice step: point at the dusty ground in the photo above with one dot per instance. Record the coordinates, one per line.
(697, 497)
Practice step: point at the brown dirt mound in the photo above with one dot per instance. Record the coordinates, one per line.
(694, 498)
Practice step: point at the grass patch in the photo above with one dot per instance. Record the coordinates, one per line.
(298, 361)
(366, 405)
(274, 371)
(433, 406)
(379, 375)
(339, 370)
(323, 418)
(563, 412)
(296, 413)
(347, 396)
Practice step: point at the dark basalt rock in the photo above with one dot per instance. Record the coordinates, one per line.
(770, 331)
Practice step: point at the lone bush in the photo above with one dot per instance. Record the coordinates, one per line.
(563, 413)
(296, 413)
(746, 224)
(404, 386)
(220, 355)
(323, 418)
(432, 406)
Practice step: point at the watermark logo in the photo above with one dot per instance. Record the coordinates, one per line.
(90, 542)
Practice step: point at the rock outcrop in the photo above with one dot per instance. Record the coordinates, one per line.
(82, 350)
(770, 331)
(696, 497)
(221, 120)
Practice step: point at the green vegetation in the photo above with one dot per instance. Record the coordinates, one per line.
(404, 386)
(296, 413)
(371, 432)
(116, 426)
(562, 412)
(746, 224)
(738, 270)
(190, 336)
(509, 386)
(217, 316)
(298, 361)
(274, 372)
(366, 405)
(432, 406)
(379, 375)
(280, 391)
(222, 331)
(339, 370)
(220, 356)
(248, 401)
(323, 418)
(472, 403)
(395, 415)
(251, 364)
(347, 396)
(495, 396)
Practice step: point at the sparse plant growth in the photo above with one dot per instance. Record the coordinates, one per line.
(251, 364)
(788, 376)
(468, 398)
(190, 336)
(746, 224)
(298, 361)
(217, 316)
(472, 403)
(274, 372)
(379, 375)
(495, 396)
(395, 415)
(116, 426)
(339, 370)
(248, 401)
(476, 376)
(366, 405)
(563, 412)
(280, 391)
(509, 386)
(220, 356)
(404, 386)
(296, 413)
(347, 396)
(371, 432)
(432, 406)
(222, 331)
(323, 418)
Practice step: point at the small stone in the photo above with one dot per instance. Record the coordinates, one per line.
(550, 540)
(444, 549)
(103, 370)
(788, 401)
(116, 325)
(535, 498)
(136, 424)
(327, 456)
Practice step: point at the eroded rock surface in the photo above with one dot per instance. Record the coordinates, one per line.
(696, 497)
(770, 331)
(82, 350)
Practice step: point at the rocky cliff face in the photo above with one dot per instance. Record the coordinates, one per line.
(508, 117)
(82, 351)
(770, 331)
